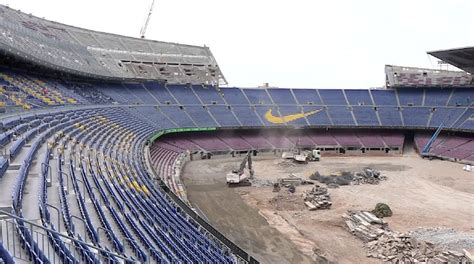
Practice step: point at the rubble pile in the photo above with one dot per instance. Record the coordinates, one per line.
(287, 165)
(401, 248)
(390, 246)
(365, 225)
(365, 176)
(446, 238)
(260, 183)
(368, 176)
(317, 198)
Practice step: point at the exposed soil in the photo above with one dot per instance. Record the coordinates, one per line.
(421, 193)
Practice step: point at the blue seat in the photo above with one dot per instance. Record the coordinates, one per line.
(410, 97)
(437, 97)
(257, 96)
(384, 97)
(208, 94)
(365, 115)
(358, 97)
(234, 96)
(416, 116)
(307, 96)
(281, 96)
(389, 116)
(183, 94)
(341, 116)
(332, 97)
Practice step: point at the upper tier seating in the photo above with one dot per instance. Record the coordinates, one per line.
(172, 105)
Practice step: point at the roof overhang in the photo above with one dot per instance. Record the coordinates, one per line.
(462, 58)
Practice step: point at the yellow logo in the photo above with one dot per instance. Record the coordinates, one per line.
(288, 118)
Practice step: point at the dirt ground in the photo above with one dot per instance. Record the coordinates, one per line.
(421, 193)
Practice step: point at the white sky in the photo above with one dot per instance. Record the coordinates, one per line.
(299, 43)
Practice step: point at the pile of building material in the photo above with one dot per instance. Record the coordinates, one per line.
(384, 244)
(445, 238)
(317, 198)
(401, 248)
(365, 176)
(365, 225)
(255, 182)
(368, 176)
(293, 180)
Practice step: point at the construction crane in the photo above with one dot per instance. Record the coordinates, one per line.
(145, 25)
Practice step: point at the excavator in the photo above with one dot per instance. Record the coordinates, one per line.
(242, 175)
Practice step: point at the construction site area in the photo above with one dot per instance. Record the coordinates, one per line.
(323, 211)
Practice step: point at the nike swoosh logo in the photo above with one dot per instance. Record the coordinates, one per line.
(288, 118)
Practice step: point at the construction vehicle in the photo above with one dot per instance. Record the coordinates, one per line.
(147, 20)
(241, 176)
(469, 168)
(303, 156)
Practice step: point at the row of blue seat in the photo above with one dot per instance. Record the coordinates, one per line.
(156, 93)
(26, 238)
(237, 116)
(4, 163)
(150, 218)
(132, 201)
(5, 256)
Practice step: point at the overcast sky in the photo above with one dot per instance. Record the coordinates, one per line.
(299, 43)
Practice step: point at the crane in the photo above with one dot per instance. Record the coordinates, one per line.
(145, 25)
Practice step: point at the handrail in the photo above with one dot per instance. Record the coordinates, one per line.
(127, 260)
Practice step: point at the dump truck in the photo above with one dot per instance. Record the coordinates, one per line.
(302, 156)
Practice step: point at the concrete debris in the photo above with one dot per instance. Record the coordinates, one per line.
(368, 176)
(365, 176)
(401, 248)
(317, 198)
(394, 247)
(286, 163)
(446, 238)
(365, 225)
(293, 180)
(260, 183)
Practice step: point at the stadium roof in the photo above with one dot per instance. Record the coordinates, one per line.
(102, 55)
(463, 58)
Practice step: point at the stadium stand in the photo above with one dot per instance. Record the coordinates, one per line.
(97, 54)
(457, 148)
(398, 76)
(99, 126)
(84, 127)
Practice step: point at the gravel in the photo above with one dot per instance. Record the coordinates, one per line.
(446, 238)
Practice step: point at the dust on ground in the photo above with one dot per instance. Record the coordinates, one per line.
(421, 194)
